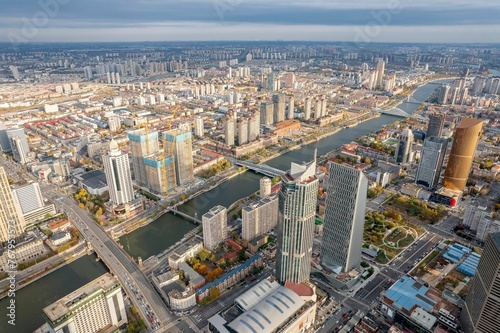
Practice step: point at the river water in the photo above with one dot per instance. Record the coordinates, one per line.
(168, 229)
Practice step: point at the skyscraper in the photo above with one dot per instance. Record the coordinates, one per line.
(266, 113)
(92, 308)
(307, 108)
(344, 218)
(380, 73)
(442, 94)
(436, 124)
(431, 161)
(297, 212)
(114, 123)
(291, 108)
(279, 107)
(271, 82)
(18, 150)
(141, 145)
(180, 146)
(403, 150)
(11, 219)
(259, 217)
(243, 131)
(118, 176)
(462, 153)
(214, 227)
(481, 313)
(229, 131)
(15, 72)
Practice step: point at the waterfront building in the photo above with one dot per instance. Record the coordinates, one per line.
(214, 227)
(96, 306)
(344, 218)
(118, 176)
(229, 131)
(180, 147)
(297, 212)
(265, 187)
(431, 162)
(462, 153)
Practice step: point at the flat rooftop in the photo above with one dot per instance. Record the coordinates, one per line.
(64, 305)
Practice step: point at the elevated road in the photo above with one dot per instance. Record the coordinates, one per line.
(141, 292)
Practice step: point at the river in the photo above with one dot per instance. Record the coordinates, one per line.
(168, 229)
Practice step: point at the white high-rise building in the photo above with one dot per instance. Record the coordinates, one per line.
(291, 108)
(198, 127)
(265, 187)
(229, 131)
(11, 218)
(118, 177)
(243, 132)
(259, 217)
(214, 227)
(92, 308)
(307, 108)
(297, 212)
(344, 218)
(18, 150)
(380, 73)
(114, 123)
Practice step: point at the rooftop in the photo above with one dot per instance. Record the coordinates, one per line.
(65, 305)
(407, 293)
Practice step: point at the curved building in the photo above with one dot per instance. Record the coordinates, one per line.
(462, 153)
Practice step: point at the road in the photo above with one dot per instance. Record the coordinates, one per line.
(146, 298)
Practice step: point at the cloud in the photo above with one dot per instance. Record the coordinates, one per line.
(232, 17)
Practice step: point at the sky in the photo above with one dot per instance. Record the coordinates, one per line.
(452, 21)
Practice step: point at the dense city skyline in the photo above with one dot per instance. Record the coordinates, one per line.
(365, 21)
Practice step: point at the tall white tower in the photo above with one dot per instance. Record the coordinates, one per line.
(117, 170)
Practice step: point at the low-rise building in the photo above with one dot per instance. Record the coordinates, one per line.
(26, 251)
(184, 252)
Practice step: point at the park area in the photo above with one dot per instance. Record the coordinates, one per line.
(411, 208)
(389, 233)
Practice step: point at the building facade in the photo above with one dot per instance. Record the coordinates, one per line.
(118, 177)
(344, 218)
(436, 125)
(141, 145)
(297, 212)
(481, 313)
(431, 162)
(259, 217)
(404, 152)
(180, 146)
(11, 218)
(214, 227)
(462, 153)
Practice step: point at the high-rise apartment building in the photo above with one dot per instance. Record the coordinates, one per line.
(344, 218)
(431, 161)
(259, 217)
(265, 187)
(118, 175)
(11, 218)
(307, 108)
(214, 227)
(114, 123)
(481, 313)
(229, 131)
(6, 135)
(297, 211)
(160, 173)
(442, 94)
(267, 113)
(279, 107)
(15, 72)
(96, 306)
(180, 146)
(254, 127)
(404, 152)
(436, 125)
(141, 145)
(272, 82)
(198, 127)
(380, 73)
(291, 108)
(462, 153)
(243, 131)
